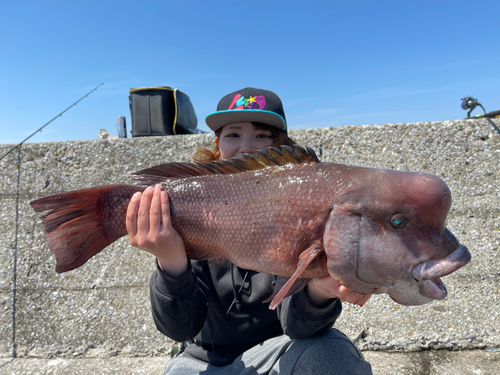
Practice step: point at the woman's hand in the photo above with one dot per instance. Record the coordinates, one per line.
(149, 228)
(322, 290)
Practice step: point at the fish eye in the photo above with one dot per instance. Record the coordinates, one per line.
(399, 221)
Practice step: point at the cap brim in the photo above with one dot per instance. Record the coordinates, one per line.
(217, 120)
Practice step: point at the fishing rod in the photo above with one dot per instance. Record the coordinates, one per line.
(470, 103)
(59, 115)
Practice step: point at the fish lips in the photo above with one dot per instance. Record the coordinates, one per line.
(427, 276)
(428, 291)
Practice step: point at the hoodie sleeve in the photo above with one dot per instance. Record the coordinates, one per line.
(179, 305)
(300, 319)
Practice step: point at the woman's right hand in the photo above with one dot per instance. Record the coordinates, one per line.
(149, 228)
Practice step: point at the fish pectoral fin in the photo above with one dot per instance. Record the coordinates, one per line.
(290, 287)
(281, 281)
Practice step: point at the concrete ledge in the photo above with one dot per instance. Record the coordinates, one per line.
(439, 362)
(84, 366)
(99, 314)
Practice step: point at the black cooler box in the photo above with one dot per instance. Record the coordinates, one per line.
(161, 110)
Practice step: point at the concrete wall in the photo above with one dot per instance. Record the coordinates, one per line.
(97, 318)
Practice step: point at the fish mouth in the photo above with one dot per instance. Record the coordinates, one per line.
(424, 283)
(434, 289)
(414, 292)
(442, 267)
(428, 274)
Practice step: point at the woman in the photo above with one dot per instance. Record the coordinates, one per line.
(219, 304)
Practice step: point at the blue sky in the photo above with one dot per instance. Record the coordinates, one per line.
(333, 63)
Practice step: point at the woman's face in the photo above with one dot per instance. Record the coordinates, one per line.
(241, 137)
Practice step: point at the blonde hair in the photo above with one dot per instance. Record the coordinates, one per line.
(280, 137)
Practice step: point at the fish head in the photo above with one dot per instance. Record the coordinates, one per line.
(390, 237)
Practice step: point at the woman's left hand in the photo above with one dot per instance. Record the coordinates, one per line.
(322, 290)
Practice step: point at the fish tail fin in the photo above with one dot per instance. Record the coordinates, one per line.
(79, 224)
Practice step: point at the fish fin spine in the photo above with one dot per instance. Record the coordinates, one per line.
(247, 162)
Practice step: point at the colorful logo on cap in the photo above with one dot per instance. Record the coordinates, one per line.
(254, 102)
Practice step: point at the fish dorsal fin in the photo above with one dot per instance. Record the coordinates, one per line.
(248, 162)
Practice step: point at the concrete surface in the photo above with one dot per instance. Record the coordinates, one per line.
(432, 362)
(96, 319)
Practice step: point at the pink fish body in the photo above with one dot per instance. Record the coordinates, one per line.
(283, 213)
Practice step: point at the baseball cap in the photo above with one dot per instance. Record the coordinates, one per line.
(248, 104)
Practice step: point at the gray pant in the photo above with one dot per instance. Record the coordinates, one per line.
(331, 353)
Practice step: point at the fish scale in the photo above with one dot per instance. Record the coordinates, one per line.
(373, 230)
(249, 221)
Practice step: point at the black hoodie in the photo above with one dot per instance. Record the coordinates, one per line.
(200, 304)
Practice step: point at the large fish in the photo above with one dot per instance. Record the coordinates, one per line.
(283, 212)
